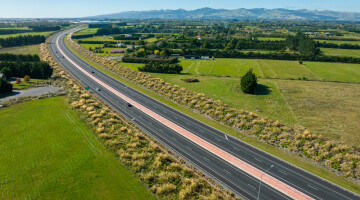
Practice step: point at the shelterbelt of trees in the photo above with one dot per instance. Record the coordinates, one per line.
(21, 65)
(22, 40)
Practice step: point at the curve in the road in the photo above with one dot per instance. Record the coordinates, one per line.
(266, 178)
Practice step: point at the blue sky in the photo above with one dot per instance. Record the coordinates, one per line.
(81, 8)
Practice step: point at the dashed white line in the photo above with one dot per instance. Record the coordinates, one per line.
(206, 158)
(252, 186)
(189, 147)
(282, 172)
(313, 187)
(257, 159)
(227, 171)
(226, 137)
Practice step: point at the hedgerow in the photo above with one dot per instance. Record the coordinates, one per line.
(299, 140)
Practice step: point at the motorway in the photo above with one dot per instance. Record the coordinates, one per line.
(232, 177)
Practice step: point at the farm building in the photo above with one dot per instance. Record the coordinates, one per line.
(120, 45)
(117, 51)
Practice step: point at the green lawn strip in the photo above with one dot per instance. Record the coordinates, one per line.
(295, 160)
(32, 83)
(47, 152)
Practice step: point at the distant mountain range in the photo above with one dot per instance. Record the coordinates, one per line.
(241, 13)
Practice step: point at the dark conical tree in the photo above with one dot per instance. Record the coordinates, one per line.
(248, 82)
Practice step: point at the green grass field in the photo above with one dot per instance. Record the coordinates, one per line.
(31, 49)
(87, 31)
(26, 85)
(341, 52)
(269, 68)
(48, 153)
(271, 39)
(30, 33)
(335, 71)
(340, 42)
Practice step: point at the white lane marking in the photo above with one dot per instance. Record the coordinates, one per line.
(174, 138)
(312, 187)
(282, 172)
(206, 158)
(236, 148)
(257, 159)
(90, 75)
(133, 119)
(226, 137)
(189, 147)
(226, 171)
(217, 139)
(252, 187)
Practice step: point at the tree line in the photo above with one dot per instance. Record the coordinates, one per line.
(22, 40)
(156, 67)
(338, 46)
(39, 70)
(129, 59)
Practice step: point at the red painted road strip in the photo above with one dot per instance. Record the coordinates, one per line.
(273, 182)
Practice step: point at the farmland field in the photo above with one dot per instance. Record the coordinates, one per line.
(31, 49)
(341, 52)
(269, 68)
(315, 105)
(48, 153)
(30, 33)
(340, 42)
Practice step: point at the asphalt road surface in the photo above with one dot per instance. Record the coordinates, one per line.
(240, 182)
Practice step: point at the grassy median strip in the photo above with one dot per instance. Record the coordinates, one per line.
(47, 152)
(283, 154)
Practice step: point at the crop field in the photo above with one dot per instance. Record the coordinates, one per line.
(340, 42)
(270, 38)
(88, 31)
(341, 52)
(31, 49)
(30, 33)
(269, 69)
(48, 153)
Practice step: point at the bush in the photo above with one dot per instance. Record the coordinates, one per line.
(248, 82)
(156, 67)
(26, 78)
(18, 81)
(190, 80)
(5, 86)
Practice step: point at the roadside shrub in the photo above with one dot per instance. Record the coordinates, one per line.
(248, 82)
(26, 78)
(5, 86)
(190, 80)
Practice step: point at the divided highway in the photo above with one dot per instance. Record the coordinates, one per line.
(236, 179)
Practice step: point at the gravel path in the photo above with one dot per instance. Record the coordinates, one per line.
(31, 92)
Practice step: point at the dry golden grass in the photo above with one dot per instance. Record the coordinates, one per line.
(330, 109)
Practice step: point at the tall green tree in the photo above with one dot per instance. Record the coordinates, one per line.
(248, 82)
